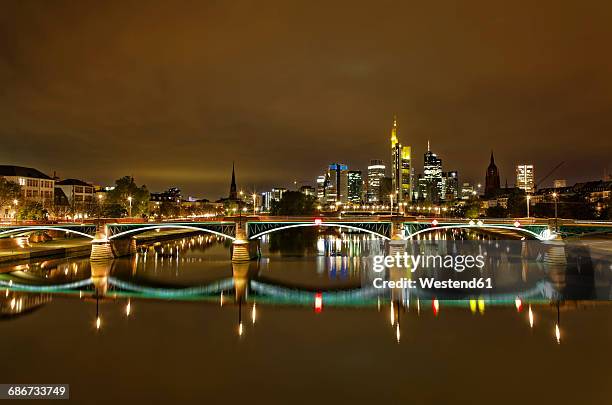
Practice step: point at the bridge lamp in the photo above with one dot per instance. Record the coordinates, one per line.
(479, 223)
(517, 224)
(471, 222)
(434, 222)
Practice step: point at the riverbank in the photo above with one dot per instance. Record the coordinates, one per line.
(79, 247)
(54, 248)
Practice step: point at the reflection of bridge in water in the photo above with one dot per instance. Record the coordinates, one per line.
(245, 285)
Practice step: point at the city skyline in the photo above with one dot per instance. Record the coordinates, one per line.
(175, 106)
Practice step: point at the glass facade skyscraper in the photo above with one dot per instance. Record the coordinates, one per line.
(376, 172)
(401, 167)
(355, 186)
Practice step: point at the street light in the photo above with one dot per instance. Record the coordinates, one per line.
(130, 207)
(528, 198)
(556, 198)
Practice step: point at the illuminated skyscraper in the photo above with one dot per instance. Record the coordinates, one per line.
(376, 172)
(321, 183)
(355, 185)
(406, 191)
(432, 176)
(525, 178)
(450, 185)
(338, 183)
(401, 168)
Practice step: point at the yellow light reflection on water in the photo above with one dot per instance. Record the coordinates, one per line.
(254, 313)
(128, 308)
(98, 323)
(530, 317)
(557, 333)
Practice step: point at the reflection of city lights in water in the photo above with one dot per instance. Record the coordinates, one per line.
(557, 333)
(240, 329)
(418, 306)
(392, 319)
(13, 303)
(254, 313)
(518, 304)
(318, 302)
(98, 322)
(436, 306)
(397, 333)
(128, 308)
(473, 306)
(530, 317)
(221, 299)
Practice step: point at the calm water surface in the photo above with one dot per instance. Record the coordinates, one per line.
(180, 322)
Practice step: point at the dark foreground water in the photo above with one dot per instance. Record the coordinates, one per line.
(180, 323)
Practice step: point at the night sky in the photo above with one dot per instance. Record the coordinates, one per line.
(172, 92)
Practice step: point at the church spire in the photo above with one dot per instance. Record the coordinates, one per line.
(233, 195)
(492, 158)
(428, 148)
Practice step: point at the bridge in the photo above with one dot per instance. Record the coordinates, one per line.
(116, 238)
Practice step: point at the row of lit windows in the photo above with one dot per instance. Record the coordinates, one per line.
(81, 190)
(35, 183)
(35, 194)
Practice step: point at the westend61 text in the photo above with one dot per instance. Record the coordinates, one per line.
(429, 283)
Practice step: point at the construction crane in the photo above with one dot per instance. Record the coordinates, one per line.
(549, 174)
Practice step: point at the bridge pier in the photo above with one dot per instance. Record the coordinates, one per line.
(101, 248)
(243, 250)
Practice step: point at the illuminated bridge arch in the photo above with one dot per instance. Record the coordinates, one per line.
(87, 231)
(542, 236)
(224, 230)
(380, 229)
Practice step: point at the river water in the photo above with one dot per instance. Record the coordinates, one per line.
(303, 324)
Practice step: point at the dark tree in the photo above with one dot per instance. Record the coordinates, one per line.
(294, 203)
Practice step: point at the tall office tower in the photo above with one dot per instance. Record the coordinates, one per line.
(432, 176)
(355, 185)
(396, 162)
(338, 179)
(525, 178)
(492, 179)
(321, 182)
(450, 185)
(376, 172)
(406, 184)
